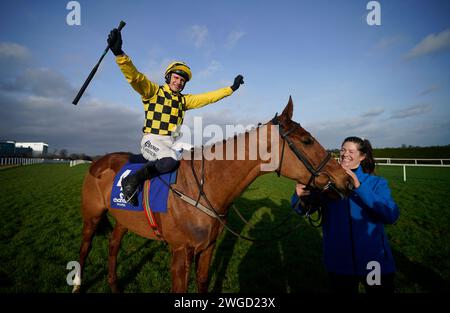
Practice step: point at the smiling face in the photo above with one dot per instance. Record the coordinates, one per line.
(177, 82)
(350, 156)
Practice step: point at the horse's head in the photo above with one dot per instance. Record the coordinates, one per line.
(303, 159)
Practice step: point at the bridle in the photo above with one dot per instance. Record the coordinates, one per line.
(315, 172)
(308, 203)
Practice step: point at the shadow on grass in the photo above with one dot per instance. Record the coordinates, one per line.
(418, 276)
(289, 264)
(294, 263)
(126, 276)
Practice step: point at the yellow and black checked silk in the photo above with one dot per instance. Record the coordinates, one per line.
(163, 113)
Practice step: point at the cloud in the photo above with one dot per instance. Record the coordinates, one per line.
(387, 42)
(330, 133)
(429, 90)
(14, 51)
(373, 112)
(197, 34)
(212, 68)
(39, 82)
(14, 58)
(382, 132)
(35, 105)
(215, 119)
(349, 123)
(418, 109)
(431, 44)
(96, 127)
(233, 39)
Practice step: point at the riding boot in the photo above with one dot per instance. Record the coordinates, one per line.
(131, 183)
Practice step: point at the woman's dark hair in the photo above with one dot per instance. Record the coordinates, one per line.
(364, 147)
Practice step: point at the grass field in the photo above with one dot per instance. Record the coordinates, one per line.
(41, 232)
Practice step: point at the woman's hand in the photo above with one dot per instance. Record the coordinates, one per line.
(355, 179)
(300, 190)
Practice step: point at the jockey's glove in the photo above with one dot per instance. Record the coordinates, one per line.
(237, 82)
(115, 42)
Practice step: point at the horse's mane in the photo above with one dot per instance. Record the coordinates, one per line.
(199, 149)
(113, 160)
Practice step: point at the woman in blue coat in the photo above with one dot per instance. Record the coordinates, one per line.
(353, 228)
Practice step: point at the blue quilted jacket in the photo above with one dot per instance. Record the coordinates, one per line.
(353, 230)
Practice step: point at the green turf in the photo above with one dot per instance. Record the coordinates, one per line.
(421, 238)
(41, 232)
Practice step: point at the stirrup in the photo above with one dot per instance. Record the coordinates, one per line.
(132, 197)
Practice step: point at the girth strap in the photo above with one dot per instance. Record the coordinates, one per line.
(197, 204)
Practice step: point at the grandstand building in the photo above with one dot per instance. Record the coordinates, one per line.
(11, 148)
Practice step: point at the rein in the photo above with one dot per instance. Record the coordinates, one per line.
(200, 183)
(315, 172)
(213, 213)
(201, 194)
(311, 206)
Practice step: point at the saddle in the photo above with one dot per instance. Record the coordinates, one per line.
(153, 192)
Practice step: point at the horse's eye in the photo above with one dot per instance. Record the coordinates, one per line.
(307, 140)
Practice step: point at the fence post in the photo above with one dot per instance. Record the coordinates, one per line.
(404, 172)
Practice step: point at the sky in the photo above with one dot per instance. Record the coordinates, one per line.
(388, 83)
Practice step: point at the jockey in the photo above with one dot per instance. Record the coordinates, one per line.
(164, 108)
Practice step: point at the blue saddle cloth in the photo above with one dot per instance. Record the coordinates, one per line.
(159, 191)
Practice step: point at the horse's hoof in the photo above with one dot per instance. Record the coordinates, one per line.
(76, 289)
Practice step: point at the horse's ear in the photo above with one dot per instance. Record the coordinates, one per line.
(287, 112)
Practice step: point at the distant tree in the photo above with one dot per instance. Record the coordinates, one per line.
(63, 153)
(334, 153)
(51, 155)
(80, 156)
(74, 156)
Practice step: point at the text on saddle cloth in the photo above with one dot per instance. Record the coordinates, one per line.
(157, 197)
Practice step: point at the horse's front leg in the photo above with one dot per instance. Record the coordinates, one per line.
(181, 264)
(202, 263)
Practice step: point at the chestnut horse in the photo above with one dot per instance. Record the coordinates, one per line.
(190, 233)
